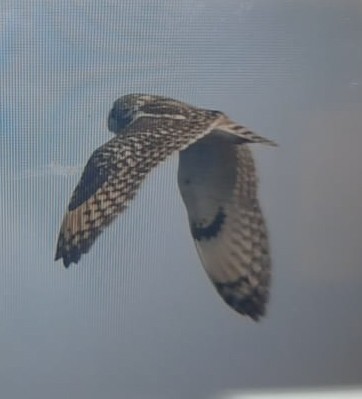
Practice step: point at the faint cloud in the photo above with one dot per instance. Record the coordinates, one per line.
(54, 168)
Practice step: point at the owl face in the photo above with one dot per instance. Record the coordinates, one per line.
(130, 107)
(125, 111)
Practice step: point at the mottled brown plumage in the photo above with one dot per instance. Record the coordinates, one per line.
(217, 181)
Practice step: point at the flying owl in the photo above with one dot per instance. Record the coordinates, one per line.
(216, 178)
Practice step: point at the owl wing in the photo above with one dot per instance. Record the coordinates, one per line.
(113, 174)
(218, 183)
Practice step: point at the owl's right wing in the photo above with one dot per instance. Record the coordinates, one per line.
(218, 183)
(114, 173)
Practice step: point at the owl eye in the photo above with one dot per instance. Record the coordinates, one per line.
(117, 120)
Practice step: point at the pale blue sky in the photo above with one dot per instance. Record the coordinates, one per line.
(138, 318)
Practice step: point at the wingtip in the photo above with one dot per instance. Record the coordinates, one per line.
(257, 315)
(65, 264)
(256, 311)
(67, 260)
(57, 256)
(253, 311)
(252, 305)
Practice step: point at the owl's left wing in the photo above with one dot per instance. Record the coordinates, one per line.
(218, 183)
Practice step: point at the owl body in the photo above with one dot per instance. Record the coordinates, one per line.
(202, 167)
(217, 182)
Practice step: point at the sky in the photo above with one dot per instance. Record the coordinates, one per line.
(138, 317)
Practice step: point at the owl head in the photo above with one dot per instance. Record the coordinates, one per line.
(130, 107)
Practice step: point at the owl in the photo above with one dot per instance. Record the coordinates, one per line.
(217, 181)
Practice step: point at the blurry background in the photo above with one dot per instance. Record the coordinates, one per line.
(138, 317)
